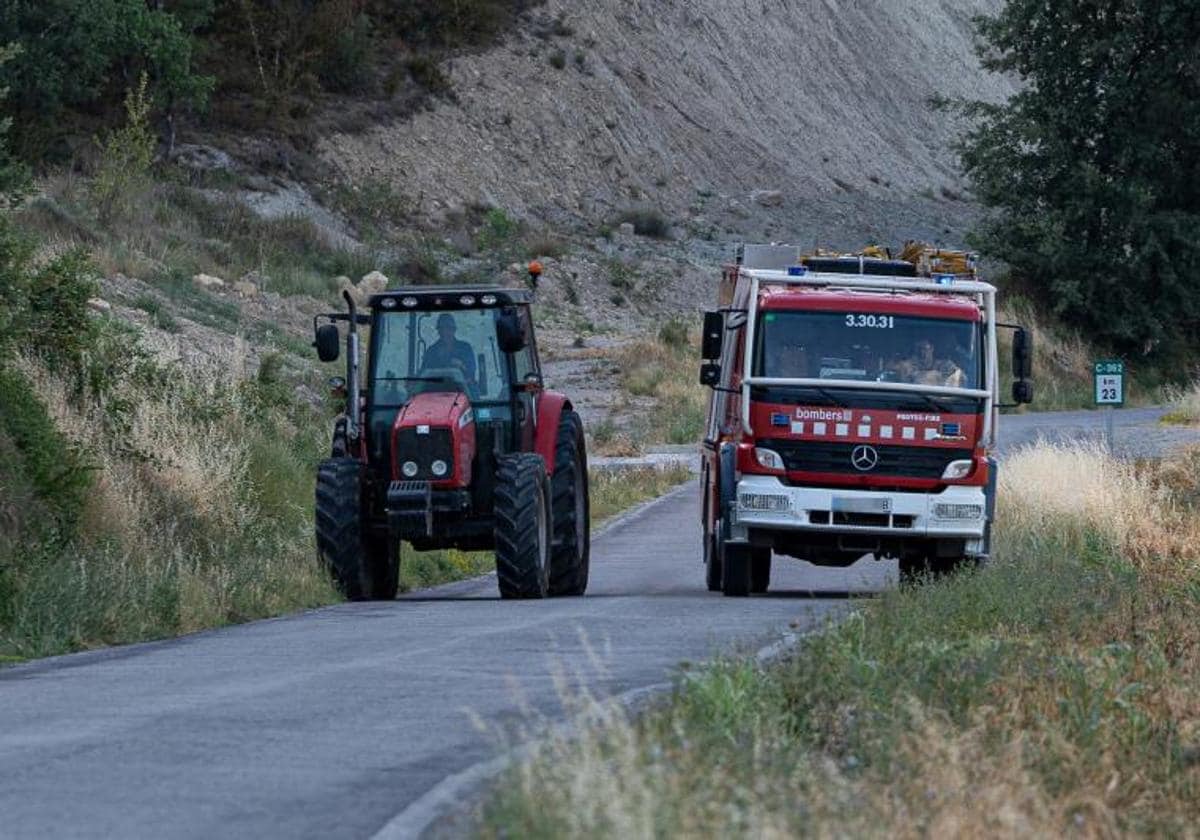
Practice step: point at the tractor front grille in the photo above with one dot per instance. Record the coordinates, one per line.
(902, 461)
(423, 450)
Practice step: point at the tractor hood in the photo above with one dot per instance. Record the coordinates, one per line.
(436, 427)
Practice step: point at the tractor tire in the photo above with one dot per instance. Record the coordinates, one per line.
(571, 553)
(523, 526)
(760, 570)
(359, 568)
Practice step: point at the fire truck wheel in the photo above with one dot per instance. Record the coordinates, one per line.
(523, 523)
(760, 570)
(712, 562)
(340, 544)
(570, 556)
(735, 561)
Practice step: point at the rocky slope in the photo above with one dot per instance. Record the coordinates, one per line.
(690, 107)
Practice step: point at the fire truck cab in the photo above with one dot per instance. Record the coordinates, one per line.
(853, 412)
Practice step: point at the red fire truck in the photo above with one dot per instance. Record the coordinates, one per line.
(853, 411)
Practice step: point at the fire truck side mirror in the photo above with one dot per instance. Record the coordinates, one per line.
(710, 374)
(1022, 392)
(714, 335)
(327, 343)
(1022, 354)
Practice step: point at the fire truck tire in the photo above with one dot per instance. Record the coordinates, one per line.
(339, 526)
(760, 570)
(735, 562)
(571, 554)
(523, 526)
(712, 562)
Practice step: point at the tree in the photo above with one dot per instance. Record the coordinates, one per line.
(1094, 164)
(82, 55)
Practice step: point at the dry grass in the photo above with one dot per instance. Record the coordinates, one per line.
(184, 527)
(1055, 693)
(666, 378)
(1183, 405)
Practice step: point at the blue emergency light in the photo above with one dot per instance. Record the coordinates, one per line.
(797, 271)
(944, 279)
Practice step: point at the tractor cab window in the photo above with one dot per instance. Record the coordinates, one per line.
(869, 347)
(417, 352)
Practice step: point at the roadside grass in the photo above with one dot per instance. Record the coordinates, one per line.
(1055, 692)
(610, 493)
(1183, 405)
(196, 513)
(665, 372)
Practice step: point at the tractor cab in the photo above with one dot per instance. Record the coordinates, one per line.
(450, 417)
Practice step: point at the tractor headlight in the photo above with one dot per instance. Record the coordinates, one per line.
(958, 469)
(409, 469)
(439, 468)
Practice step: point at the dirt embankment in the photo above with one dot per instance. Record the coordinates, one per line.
(690, 106)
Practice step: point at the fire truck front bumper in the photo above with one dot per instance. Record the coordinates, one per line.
(764, 502)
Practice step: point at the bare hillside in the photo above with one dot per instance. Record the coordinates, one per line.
(690, 106)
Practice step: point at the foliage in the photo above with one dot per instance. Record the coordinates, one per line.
(1092, 164)
(79, 55)
(125, 157)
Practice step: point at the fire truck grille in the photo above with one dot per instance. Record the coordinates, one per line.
(423, 450)
(904, 461)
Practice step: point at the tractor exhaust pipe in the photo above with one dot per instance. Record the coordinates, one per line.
(352, 386)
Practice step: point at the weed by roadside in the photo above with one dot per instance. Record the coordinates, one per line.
(1055, 692)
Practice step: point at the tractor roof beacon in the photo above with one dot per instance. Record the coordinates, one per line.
(450, 440)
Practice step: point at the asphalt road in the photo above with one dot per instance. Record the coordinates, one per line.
(332, 723)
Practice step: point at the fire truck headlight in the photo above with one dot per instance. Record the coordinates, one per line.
(958, 469)
(439, 468)
(768, 459)
(409, 469)
(943, 510)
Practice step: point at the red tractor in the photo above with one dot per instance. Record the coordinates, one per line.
(452, 442)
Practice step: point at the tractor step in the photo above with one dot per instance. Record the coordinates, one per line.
(410, 508)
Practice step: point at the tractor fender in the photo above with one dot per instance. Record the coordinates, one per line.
(550, 408)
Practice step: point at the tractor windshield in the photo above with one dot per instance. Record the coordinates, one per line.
(415, 352)
(869, 347)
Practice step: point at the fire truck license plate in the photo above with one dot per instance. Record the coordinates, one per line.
(844, 505)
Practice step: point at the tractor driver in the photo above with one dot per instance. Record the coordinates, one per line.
(923, 367)
(449, 352)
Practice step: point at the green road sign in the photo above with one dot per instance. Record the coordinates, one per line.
(1109, 379)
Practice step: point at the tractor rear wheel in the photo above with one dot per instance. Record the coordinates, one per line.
(570, 557)
(363, 567)
(523, 525)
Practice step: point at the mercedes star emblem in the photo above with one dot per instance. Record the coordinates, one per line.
(864, 458)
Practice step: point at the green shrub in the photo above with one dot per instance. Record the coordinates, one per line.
(125, 158)
(558, 59)
(674, 333)
(57, 470)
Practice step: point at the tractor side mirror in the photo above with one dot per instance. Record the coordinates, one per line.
(1022, 392)
(509, 334)
(710, 374)
(1022, 354)
(328, 343)
(714, 335)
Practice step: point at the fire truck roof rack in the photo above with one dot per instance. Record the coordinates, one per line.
(919, 267)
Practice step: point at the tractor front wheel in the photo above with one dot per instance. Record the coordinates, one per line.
(364, 567)
(569, 559)
(523, 525)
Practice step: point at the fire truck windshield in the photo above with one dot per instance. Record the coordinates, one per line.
(869, 347)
